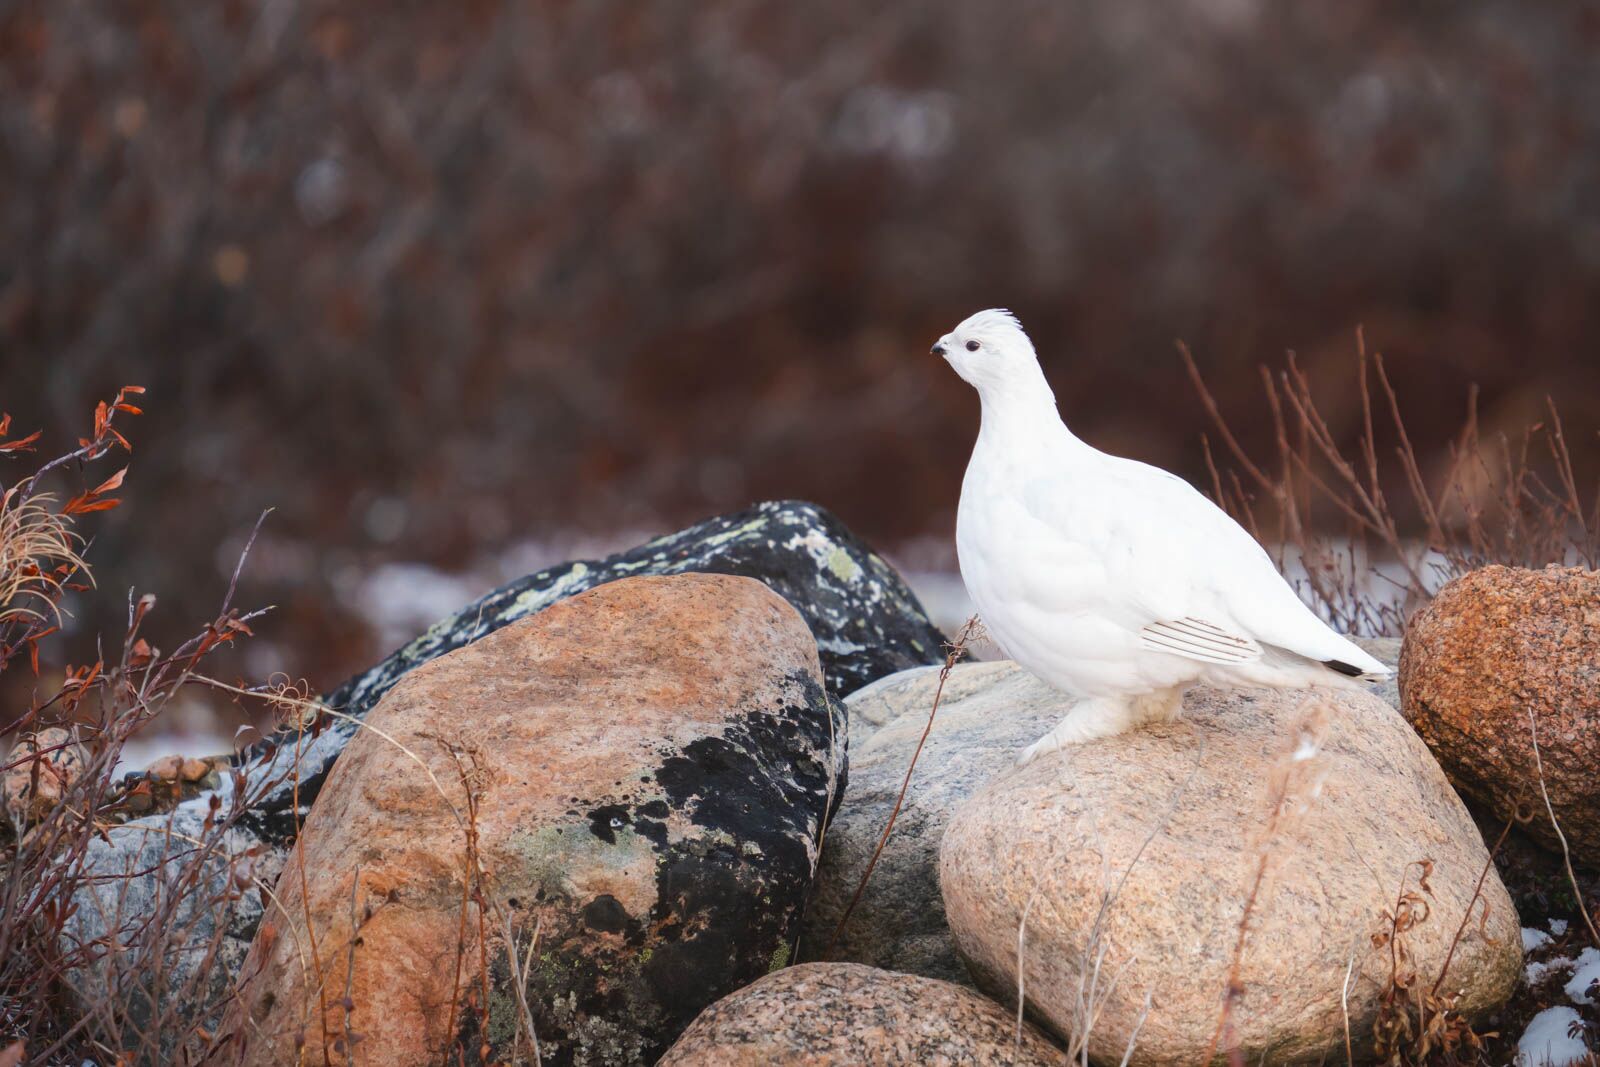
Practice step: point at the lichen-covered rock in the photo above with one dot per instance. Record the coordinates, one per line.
(181, 890)
(1493, 646)
(1140, 851)
(866, 622)
(846, 1015)
(644, 770)
(988, 713)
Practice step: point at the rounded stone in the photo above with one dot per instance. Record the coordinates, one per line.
(44, 766)
(1497, 646)
(641, 773)
(1131, 864)
(847, 1015)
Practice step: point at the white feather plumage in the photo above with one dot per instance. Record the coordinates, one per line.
(1114, 581)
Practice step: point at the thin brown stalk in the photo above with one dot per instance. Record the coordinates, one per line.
(1477, 893)
(1210, 403)
(1566, 854)
(953, 653)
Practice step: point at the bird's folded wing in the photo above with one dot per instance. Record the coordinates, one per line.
(1199, 640)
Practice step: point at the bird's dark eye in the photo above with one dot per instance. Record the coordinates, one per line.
(973, 346)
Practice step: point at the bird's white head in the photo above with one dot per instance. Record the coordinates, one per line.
(990, 351)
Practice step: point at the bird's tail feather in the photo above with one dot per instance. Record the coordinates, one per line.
(1335, 673)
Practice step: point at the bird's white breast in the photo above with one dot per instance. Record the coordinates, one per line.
(1051, 598)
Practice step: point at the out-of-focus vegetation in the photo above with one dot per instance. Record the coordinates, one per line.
(432, 280)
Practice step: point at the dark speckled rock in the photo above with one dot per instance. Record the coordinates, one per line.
(846, 1015)
(866, 622)
(651, 764)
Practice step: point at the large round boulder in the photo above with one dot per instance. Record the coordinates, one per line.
(1494, 647)
(1268, 839)
(618, 799)
(847, 1015)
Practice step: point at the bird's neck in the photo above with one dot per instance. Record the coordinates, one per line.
(1020, 413)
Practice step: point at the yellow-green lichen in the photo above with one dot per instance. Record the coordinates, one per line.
(531, 600)
(738, 531)
(780, 958)
(843, 567)
(548, 854)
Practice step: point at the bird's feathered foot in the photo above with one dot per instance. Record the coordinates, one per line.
(1087, 720)
(1103, 717)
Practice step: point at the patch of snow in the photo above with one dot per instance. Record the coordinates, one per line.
(1532, 939)
(1587, 973)
(1538, 972)
(400, 600)
(1558, 927)
(1545, 1043)
(200, 805)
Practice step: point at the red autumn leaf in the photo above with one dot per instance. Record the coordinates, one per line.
(5, 424)
(21, 444)
(86, 502)
(129, 408)
(135, 389)
(110, 483)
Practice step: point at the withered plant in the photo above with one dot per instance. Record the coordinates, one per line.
(107, 989)
(1369, 538)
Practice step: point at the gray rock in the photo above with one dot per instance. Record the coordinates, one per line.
(177, 898)
(1386, 650)
(988, 714)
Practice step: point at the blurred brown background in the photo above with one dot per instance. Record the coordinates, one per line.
(460, 289)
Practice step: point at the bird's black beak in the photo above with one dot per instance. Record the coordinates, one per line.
(939, 349)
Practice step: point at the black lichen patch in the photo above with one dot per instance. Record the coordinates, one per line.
(653, 830)
(607, 819)
(730, 889)
(606, 914)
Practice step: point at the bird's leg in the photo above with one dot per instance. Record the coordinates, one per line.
(1088, 719)
(1163, 705)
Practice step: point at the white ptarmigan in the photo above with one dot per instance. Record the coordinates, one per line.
(1114, 581)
